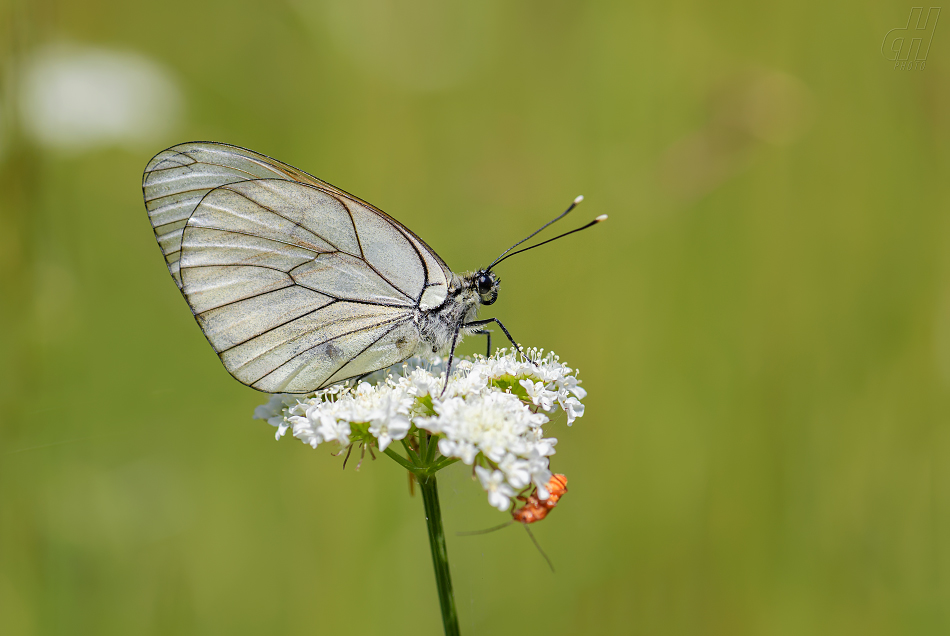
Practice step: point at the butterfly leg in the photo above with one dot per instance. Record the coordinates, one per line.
(487, 334)
(448, 368)
(481, 323)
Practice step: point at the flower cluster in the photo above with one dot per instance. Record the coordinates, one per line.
(490, 415)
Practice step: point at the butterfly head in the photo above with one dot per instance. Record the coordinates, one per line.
(485, 284)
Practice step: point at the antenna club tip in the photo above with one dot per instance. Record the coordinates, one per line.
(578, 199)
(602, 217)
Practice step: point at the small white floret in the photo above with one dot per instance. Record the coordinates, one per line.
(499, 493)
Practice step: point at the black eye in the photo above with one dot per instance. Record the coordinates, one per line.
(483, 283)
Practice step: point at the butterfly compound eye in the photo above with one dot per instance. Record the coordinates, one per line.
(487, 287)
(483, 283)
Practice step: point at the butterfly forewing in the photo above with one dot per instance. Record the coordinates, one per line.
(295, 283)
(176, 180)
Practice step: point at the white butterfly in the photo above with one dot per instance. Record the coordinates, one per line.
(296, 284)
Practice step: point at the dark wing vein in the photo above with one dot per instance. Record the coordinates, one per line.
(195, 162)
(276, 213)
(373, 267)
(365, 349)
(425, 268)
(359, 241)
(270, 329)
(293, 284)
(263, 238)
(301, 367)
(273, 269)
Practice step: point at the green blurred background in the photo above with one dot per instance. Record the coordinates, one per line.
(763, 325)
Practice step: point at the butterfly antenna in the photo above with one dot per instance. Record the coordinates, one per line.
(486, 531)
(538, 546)
(602, 217)
(557, 218)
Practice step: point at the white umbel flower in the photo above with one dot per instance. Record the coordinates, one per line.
(389, 421)
(275, 412)
(493, 481)
(539, 395)
(490, 415)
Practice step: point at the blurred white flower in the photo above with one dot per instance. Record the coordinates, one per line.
(540, 473)
(74, 98)
(493, 481)
(275, 413)
(489, 416)
(517, 471)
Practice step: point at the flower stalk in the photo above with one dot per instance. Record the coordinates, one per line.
(423, 465)
(440, 559)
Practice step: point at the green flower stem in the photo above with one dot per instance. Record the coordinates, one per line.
(430, 469)
(432, 448)
(424, 447)
(424, 466)
(442, 463)
(440, 558)
(400, 460)
(413, 456)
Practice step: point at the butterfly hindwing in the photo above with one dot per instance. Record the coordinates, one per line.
(305, 353)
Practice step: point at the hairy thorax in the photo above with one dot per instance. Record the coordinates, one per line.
(437, 325)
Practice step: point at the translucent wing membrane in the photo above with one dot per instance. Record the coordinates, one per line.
(177, 179)
(318, 348)
(295, 283)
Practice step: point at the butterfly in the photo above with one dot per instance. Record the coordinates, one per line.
(298, 285)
